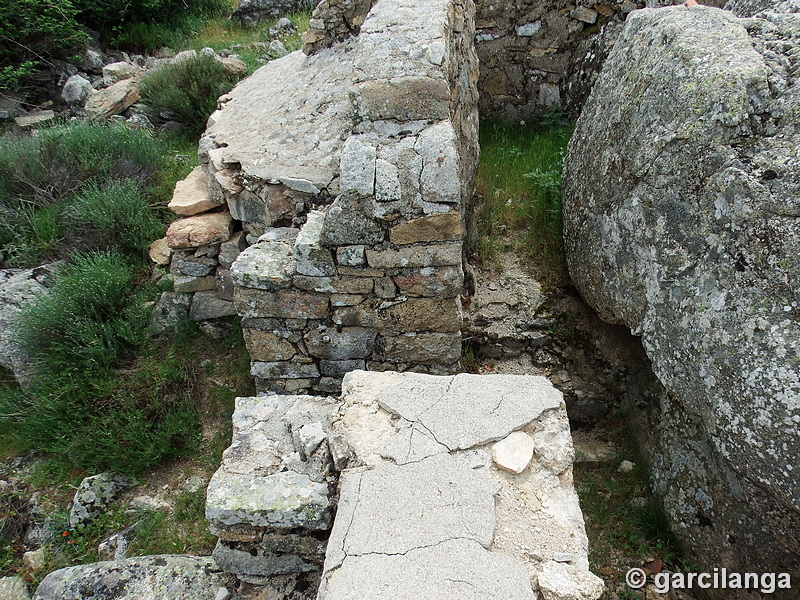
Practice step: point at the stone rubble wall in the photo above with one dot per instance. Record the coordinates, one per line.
(540, 55)
(328, 211)
(334, 21)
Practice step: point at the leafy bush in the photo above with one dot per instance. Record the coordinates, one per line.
(189, 89)
(82, 405)
(32, 31)
(112, 17)
(116, 215)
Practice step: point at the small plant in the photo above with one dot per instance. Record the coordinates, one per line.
(189, 89)
(519, 195)
(115, 215)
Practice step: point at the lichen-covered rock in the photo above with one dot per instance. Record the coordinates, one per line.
(159, 577)
(94, 494)
(17, 289)
(682, 198)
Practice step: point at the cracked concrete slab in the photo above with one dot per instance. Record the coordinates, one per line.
(397, 508)
(455, 569)
(422, 493)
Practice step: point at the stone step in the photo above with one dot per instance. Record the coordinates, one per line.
(457, 488)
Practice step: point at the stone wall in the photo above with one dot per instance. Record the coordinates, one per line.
(538, 55)
(347, 172)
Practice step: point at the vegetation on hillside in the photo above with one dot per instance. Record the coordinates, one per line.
(518, 206)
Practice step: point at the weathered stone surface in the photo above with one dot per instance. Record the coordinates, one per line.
(433, 228)
(191, 195)
(268, 480)
(188, 283)
(422, 348)
(402, 98)
(261, 561)
(34, 118)
(440, 282)
(170, 309)
(456, 569)
(117, 71)
(513, 452)
(411, 314)
(415, 256)
(284, 304)
(331, 285)
(13, 588)
(309, 115)
(230, 250)
(76, 90)
(311, 257)
(339, 368)
(561, 581)
(113, 100)
(517, 401)
(350, 221)
(94, 494)
(267, 346)
(199, 230)
(186, 263)
(158, 577)
(17, 289)
(160, 252)
(264, 266)
(208, 305)
(450, 500)
(351, 256)
(681, 222)
(357, 167)
(283, 370)
(233, 65)
(441, 177)
(344, 344)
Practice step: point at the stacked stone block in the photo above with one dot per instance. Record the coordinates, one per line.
(351, 193)
(270, 501)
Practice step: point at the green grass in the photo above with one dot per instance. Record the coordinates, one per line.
(519, 195)
(623, 533)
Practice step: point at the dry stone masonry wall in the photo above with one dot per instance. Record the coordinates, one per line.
(347, 171)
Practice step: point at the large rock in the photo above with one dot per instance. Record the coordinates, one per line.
(681, 200)
(113, 100)
(160, 577)
(17, 289)
(249, 13)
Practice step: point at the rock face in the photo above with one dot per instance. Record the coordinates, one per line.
(250, 13)
(159, 577)
(18, 288)
(682, 206)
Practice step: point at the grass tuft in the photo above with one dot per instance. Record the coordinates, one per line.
(519, 195)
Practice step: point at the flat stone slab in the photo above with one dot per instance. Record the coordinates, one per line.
(444, 498)
(456, 569)
(308, 117)
(456, 487)
(488, 407)
(156, 577)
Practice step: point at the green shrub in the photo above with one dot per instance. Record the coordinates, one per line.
(92, 402)
(113, 17)
(189, 89)
(40, 174)
(115, 215)
(32, 31)
(86, 322)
